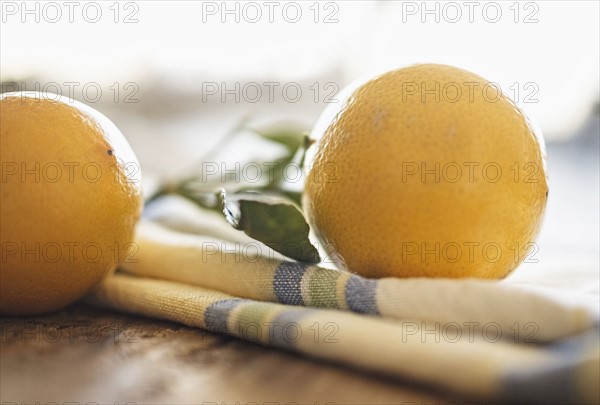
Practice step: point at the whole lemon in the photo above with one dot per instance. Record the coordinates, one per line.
(71, 195)
(426, 171)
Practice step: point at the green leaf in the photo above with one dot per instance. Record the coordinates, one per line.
(272, 220)
(297, 142)
(287, 136)
(295, 196)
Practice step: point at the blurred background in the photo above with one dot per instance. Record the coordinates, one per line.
(177, 76)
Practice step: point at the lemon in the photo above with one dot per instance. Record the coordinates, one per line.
(426, 171)
(71, 195)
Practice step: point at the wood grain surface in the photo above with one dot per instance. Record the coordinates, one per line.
(89, 355)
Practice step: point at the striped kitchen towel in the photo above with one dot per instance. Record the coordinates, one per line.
(483, 339)
(472, 364)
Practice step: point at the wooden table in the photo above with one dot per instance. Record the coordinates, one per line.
(89, 355)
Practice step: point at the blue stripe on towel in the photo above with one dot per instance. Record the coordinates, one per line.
(555, 383)
(550, 386)
(216, 315)
(360, 295)
(287, 280)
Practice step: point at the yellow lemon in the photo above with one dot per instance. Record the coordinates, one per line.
(71, 195)
(426, 171)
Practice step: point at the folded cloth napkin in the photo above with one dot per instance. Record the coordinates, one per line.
(473, 337)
